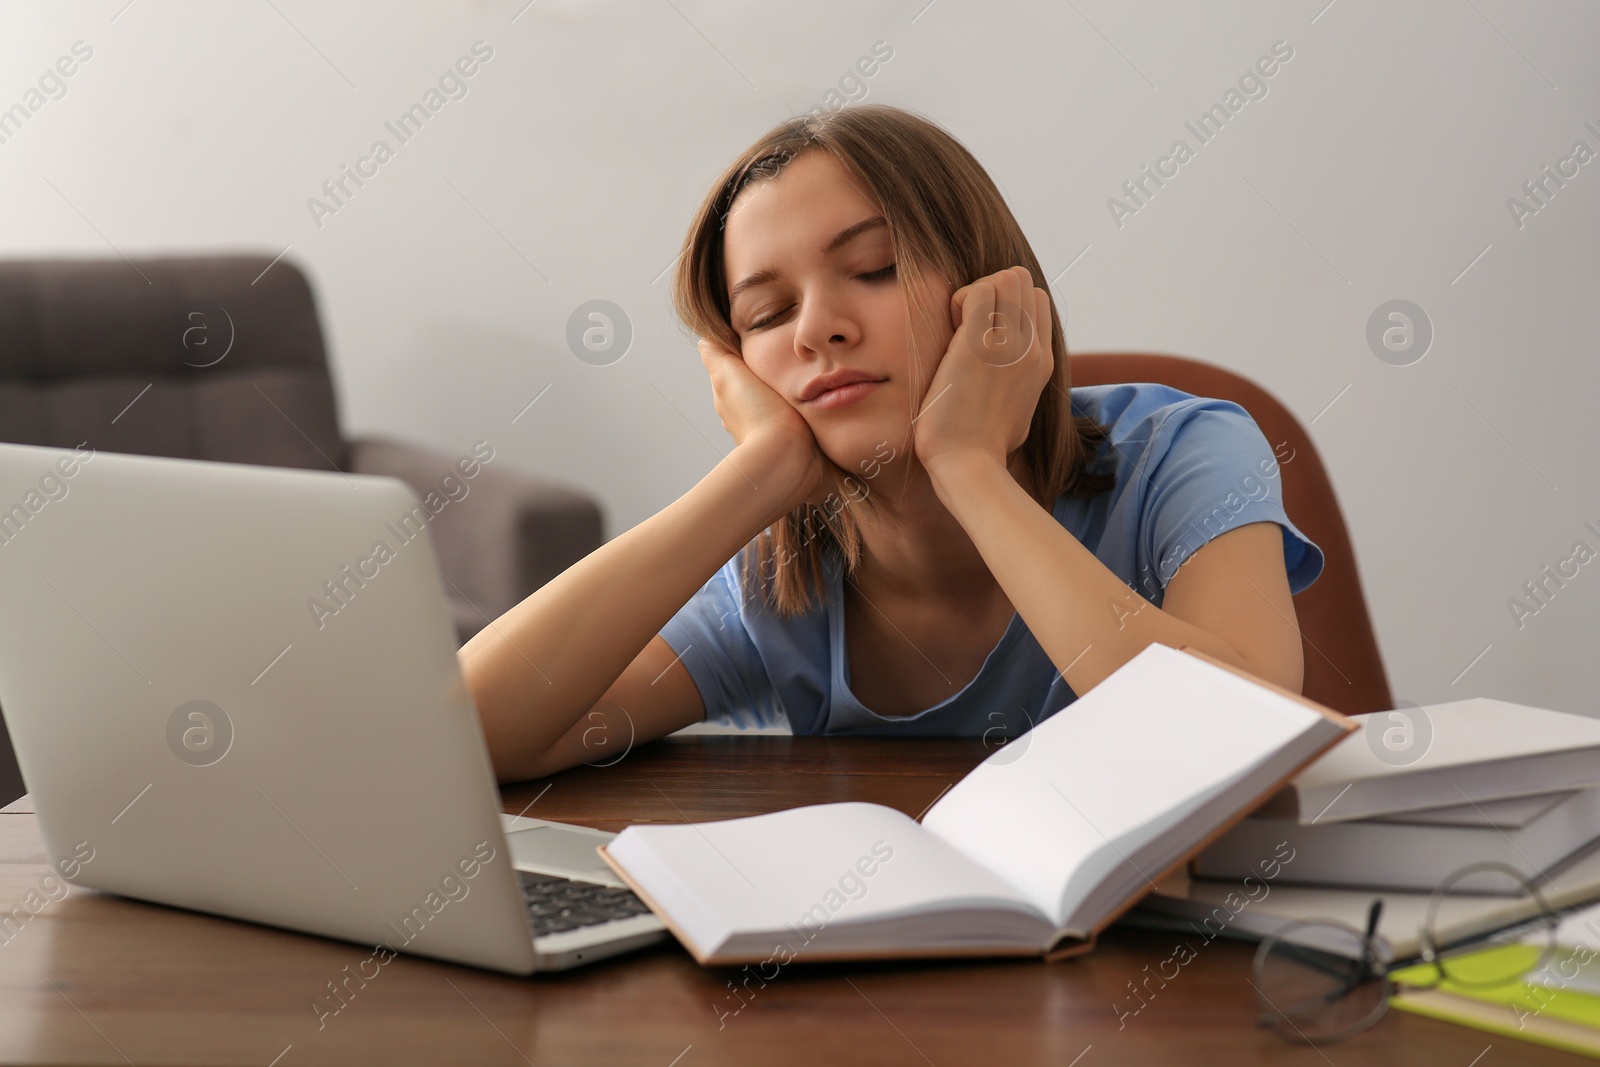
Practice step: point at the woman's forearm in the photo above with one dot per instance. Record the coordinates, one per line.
(1085, 618)
(534, 671)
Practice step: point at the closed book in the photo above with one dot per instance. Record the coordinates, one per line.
(1463, 752)
(1509, 1020)
(1576, 963)
(1032, 853)
(1262, 905)
(1508, 814)
(1395, 855)
(1539, 1006)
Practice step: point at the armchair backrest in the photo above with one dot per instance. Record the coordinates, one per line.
(198, 357)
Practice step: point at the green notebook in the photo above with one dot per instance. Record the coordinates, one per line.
(1562, 1017)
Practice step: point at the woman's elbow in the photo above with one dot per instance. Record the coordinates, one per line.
(1285, 668)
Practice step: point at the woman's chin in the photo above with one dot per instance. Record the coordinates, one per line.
(863, 455)
(863, 432)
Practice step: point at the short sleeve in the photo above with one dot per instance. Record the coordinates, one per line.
(1216, 473)
(710, 637)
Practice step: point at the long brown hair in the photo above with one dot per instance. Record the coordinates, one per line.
(943, 212)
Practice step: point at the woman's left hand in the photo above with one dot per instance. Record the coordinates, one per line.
(988, 384)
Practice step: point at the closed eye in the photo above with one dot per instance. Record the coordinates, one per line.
(882, 274)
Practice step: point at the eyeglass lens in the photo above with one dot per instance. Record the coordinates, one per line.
(1505, 955)
(1319, 981)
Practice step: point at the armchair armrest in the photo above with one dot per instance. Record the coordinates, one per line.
(500, 534)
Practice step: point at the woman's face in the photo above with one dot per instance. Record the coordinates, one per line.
(813, 291)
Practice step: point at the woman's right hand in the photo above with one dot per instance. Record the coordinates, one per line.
(765, 425)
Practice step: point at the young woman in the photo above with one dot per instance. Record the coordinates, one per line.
(938, 536)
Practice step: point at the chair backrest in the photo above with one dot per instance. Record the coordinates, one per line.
(230, 350)
(1343, 668)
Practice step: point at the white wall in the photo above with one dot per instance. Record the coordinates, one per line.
(1378, 166)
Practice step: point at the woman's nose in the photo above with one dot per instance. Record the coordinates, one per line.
(825, 323)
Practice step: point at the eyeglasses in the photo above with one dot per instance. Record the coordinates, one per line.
(1322, 981)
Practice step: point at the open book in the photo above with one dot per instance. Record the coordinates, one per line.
(1034, 852)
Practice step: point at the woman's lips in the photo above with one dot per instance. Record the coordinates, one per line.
(845, 394)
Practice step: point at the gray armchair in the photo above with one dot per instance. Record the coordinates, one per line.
(221, 358)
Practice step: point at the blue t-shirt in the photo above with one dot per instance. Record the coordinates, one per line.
(1187, 469)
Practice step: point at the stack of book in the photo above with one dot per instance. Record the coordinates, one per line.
(1496, 781)
(1204, 799)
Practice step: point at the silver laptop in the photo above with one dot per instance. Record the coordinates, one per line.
(235, 689)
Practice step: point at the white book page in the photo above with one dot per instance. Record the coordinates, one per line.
(1062, 805)
(854, 861)
(1577, 929)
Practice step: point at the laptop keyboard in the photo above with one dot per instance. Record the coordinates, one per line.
(555, 904)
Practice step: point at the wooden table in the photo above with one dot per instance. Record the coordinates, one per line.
(94, 978)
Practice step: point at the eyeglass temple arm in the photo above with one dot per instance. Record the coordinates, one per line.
(1322, 961)
(1369, 941)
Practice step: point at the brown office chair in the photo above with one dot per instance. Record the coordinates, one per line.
(1343, 667)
